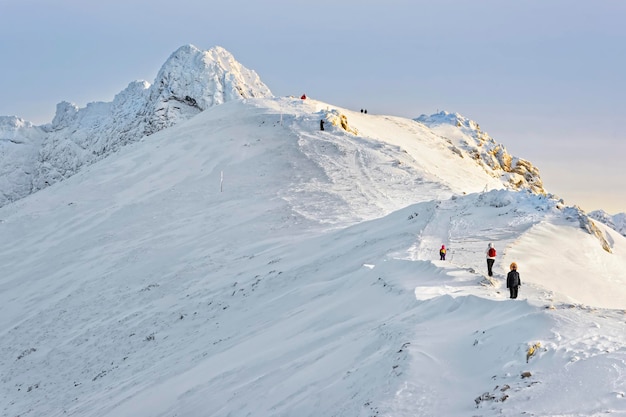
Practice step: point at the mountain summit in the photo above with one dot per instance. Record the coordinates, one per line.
(190, 81)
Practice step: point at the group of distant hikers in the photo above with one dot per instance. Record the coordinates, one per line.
(513, 281)
(304, 97)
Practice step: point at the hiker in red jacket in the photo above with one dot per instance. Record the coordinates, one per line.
(303, 97)
(442, 253)
(491, 258)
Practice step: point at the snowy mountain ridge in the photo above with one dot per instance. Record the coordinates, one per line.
(244, 262)
(189, 81)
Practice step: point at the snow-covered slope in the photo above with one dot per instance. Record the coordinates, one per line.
(191, 80)
(246, 263)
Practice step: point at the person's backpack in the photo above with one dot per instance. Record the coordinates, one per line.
(492, 252)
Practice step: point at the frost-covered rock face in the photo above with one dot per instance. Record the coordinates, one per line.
(616, 222)
(587, 224)
(78, 137)
(190, 81)
(470, 141)
(193, 80)
(20, 142)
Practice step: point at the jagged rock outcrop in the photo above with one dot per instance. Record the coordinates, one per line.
(616, 222)
(20, 142)
(587, 224)
(78, 137)
(190, 81)
(468, 139)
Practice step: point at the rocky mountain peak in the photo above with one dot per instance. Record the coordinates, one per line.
(469, 140)
(190, 81)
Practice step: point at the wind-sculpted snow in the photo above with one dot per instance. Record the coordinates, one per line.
(190, 81)
(469, 140)
(246, 263)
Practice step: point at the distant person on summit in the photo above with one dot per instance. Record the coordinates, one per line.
(513, 281)
(303, 97)
(442, 253)
(491, 258)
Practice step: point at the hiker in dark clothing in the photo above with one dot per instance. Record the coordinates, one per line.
(513, 281)
(322, 124)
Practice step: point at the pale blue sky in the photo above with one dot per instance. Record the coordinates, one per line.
(547, 78)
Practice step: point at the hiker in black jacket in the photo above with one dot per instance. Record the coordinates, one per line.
(513, 281)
